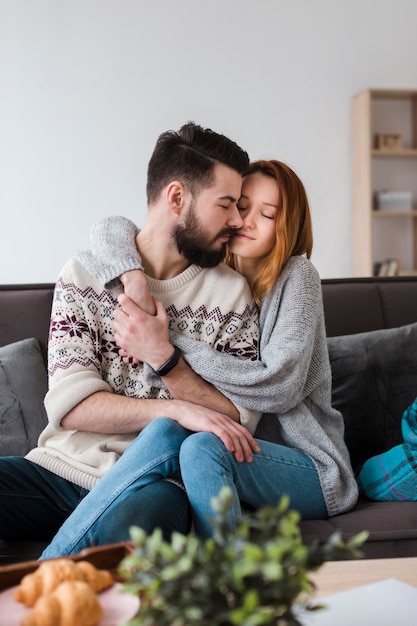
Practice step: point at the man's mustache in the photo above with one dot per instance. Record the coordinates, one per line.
(227, 232)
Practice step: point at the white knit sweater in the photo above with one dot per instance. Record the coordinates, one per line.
(213, 306)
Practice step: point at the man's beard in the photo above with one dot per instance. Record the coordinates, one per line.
(195, 246)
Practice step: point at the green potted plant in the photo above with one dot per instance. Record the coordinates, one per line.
(256, 574)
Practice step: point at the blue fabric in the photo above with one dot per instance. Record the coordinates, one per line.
(373, 381)
(155, 455)
(276, 470)
(150, 458)
(35, 503)
(392, 475)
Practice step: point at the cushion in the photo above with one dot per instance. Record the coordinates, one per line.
(23, 385)
(392, 528)
(392, 475)
(374, 378)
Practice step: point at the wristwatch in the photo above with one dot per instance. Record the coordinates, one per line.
(170, 364)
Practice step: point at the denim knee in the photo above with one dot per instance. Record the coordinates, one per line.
(161, 425)
(198, 445)
(160, 428)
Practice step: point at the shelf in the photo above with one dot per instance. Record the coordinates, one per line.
(392, 94)
(406, 153)
(384, 146)
(383, 213)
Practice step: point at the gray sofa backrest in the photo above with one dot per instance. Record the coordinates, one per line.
(351, 305)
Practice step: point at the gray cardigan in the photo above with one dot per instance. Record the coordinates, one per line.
(291, 384)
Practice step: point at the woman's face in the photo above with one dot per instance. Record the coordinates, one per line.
(258, 207)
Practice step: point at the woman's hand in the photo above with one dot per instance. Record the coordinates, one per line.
(235, 437)
(140, 335)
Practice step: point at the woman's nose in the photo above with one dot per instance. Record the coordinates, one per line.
(248, 221)
(235, 219)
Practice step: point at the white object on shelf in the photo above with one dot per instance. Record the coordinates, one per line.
(394, 200)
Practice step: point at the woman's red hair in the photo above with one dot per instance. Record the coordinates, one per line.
(294, 232)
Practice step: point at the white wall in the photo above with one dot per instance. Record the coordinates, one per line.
(86, 86)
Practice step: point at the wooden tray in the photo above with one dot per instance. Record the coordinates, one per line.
(103, 557)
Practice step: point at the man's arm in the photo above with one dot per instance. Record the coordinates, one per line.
(139, 333)
(277, 383)
(113, 247)
(182, 382)
(97, 412)
(136, 287)
(85, 373)
(107, 412)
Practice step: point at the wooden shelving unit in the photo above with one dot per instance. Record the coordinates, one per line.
(380, 234)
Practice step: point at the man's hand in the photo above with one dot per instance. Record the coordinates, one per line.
(146, 338)
(236, 438)
(136, 287)
(141, 335)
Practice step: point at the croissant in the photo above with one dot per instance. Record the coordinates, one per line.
(73, 603)
(98, 579)
(51, 573)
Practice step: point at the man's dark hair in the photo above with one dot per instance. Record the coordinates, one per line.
(190, 155)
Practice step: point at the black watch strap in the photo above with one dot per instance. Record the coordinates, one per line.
(170, 364)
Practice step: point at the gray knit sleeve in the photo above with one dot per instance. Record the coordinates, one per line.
(113, 250)
(293, 347)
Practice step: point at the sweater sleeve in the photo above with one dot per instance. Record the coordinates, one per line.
(292, 348)
(113, 250)
(74, 368)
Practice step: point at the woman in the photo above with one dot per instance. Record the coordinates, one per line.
(301, 446)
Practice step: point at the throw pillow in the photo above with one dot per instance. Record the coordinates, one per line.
(374, 377)
(392, 475)
(23, 385)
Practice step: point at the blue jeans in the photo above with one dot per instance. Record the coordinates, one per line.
(156, 455)
(148, 460)
(34, 503)
(206, 467)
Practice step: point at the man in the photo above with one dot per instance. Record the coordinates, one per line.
(97, 403)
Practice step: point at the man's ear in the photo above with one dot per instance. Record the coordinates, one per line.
(176, 193)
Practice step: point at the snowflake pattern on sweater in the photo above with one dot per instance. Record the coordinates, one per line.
(213, 306)
(86, 340)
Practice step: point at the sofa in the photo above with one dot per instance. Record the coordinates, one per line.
(371, 326)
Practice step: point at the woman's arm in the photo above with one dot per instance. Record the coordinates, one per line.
(113, 250)
(147, 338)
(276, 383)
(292, 335)
(114, 257)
